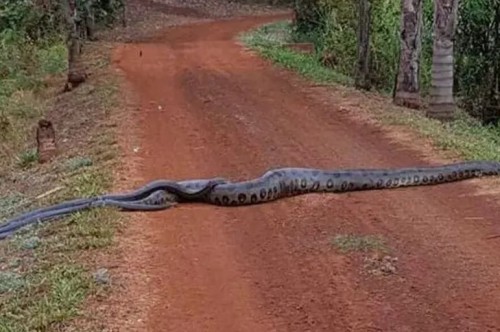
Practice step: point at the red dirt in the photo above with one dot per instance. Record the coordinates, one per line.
(272, 267)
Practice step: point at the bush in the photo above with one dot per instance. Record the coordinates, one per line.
(333, 30)
(335, 33)
(477, 56)
(332, 26)
(31, 19)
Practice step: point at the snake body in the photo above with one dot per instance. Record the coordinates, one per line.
(272, 185)
(284, 182)
(156, 195)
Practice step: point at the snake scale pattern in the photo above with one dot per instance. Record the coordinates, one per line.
(272, 185)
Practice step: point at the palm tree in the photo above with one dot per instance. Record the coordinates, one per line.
(407, 90)
(442, 104)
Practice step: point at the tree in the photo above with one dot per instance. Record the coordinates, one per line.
(76, 72)
(407, 89)
(442, 103)
(88, 20)
(363, 69)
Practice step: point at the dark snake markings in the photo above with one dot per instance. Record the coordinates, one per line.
(272, 185)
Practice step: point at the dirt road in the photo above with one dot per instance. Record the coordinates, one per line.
(206, 108)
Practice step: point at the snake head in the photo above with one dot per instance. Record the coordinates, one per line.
(161, 197)
(211, 184)
(196, 189)
(216, 181)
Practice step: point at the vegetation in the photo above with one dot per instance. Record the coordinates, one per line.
(334, 31)
(477, 56)
(46, 272)
(465, 137)
(332, 26)
(50, 267)
(44, 279)
(350, 242)
(32, 49)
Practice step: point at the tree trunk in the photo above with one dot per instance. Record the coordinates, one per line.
(89, 20)
(123, 11)
(363, 70)
(76, 72)
(407, 89)
(442, 103)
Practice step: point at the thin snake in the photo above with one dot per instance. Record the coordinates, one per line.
(272, 185)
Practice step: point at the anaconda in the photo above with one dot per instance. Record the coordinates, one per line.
(284, 182)
(272, 185)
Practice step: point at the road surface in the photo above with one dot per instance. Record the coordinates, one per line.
(207, 107)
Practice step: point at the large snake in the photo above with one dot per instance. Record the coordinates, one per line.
(272, 185)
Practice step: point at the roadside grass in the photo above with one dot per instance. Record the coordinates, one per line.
(464, 137)
(46, 267)
(46, 271)
(269, 40)
(359, 243)
(25, 73)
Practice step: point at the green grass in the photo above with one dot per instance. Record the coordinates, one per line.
(46, 271)
(12, 202)
(76, 163)
(24, 68)
(269, 41)
(64, 287)
(464, 137)
(24, 65)
(27, 158)
(349, 242)
(44, 278)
